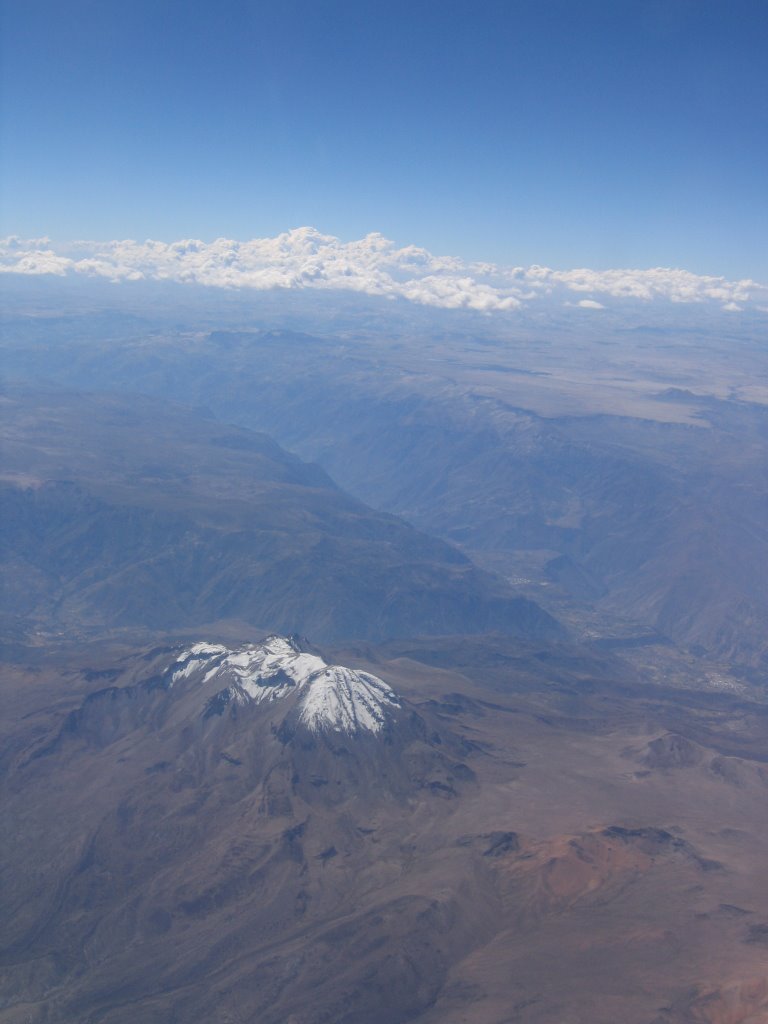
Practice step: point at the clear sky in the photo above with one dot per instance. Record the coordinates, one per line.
(564, 132)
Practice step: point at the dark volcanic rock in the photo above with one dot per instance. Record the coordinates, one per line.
(501, 843)
(672, 751)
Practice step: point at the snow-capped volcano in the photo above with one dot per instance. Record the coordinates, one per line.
(327, 697)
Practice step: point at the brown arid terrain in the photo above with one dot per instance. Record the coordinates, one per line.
(384, 512)
(532, 838)
(523, 777)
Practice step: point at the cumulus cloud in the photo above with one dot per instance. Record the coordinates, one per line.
(304, 258)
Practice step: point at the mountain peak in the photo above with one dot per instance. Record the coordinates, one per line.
(327, 697)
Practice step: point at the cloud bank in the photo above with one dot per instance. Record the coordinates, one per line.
(305, 258)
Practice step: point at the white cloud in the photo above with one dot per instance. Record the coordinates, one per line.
(304, 258)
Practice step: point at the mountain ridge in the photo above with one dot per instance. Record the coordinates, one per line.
(125, 512)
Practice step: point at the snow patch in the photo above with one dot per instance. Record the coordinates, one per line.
(330, 697)
(346, 700)
(189, 662)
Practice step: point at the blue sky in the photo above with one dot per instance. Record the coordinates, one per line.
(597, 134)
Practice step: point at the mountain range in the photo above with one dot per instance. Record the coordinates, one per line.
(621, 473)
(364, 663)
(128, 513)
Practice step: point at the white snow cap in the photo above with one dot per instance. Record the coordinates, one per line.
(330, 697)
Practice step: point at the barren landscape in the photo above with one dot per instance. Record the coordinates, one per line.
(384, 512)
(563, 815)
(177, 864)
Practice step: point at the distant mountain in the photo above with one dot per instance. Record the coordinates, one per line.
(127, 512)
(658, 505)
(623, 472)
(665, 523)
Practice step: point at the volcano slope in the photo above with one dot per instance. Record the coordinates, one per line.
(127, 513)
(255, 832)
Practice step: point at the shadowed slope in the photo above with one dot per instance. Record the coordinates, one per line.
(125, 512)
